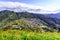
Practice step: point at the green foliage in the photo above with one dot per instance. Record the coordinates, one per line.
(22, 23)
(26, 35)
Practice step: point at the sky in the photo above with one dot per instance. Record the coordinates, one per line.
(49, 5)
(37, 2)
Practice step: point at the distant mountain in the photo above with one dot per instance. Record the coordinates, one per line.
(57, 15)
(34, 20)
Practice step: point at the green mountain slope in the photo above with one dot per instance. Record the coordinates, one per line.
(28, 21)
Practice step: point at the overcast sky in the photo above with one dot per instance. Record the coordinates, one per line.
(50, 5)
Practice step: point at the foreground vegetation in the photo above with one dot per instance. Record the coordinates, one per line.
(28, 35)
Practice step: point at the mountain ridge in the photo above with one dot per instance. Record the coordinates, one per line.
(57, 15)
(34, 20)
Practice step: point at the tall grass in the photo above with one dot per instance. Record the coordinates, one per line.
(25, 35)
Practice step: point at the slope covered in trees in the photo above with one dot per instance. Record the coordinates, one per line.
(26, 20)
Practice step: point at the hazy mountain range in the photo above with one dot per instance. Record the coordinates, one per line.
(54, 14)
(34, 20)
(57, 15)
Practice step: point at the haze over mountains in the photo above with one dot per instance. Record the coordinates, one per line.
(57, 15)
(18, 7)
(22, 7)
(36, 11)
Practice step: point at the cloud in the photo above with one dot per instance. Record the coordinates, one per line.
(18, 7)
